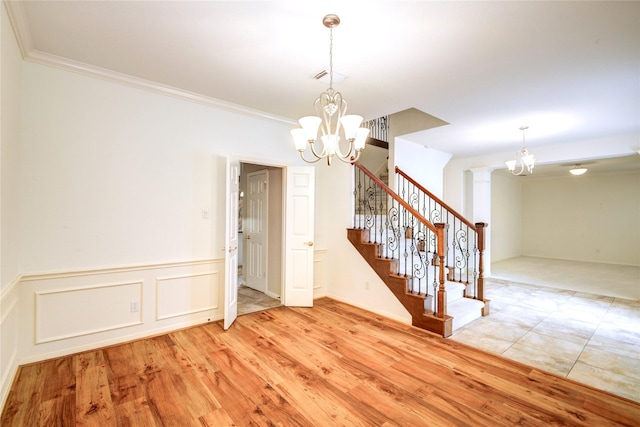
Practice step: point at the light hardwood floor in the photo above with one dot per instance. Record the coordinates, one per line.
(329, 365)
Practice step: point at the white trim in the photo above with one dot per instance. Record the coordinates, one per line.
(20, 26)
(5, 313)
(147, 85)
(110, 270)
(10, 288)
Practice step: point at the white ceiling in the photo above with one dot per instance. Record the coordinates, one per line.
(568, 70)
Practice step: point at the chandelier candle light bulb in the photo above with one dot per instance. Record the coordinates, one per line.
(331, 119)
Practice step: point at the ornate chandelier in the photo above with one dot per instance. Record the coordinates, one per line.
(331, 117)
(523, 158)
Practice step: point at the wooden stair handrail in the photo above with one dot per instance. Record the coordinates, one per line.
(397, 198)
(437, 199)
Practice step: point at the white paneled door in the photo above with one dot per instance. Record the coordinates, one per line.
(231, 243)
(299, 235)
(255, 230)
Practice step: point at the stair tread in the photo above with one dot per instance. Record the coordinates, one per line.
(452, 286)
(465, 304)
(464, 311)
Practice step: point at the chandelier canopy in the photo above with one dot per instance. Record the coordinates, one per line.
(525, 160)
(331, 118)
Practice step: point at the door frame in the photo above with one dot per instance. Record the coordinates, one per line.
(283, 188)
(283, 168)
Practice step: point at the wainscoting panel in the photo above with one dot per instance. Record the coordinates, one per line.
(320, 273)
(177, 296)
(67, 313)
(9, 333)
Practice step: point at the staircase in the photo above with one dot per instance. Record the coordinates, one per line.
(406, 250)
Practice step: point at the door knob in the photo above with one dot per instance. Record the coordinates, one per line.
(308, 243)
(248, 236)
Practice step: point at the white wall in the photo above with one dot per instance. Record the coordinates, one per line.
(375, 159)
(593, 217)
(506, 217)
(425, 165)
(116, 176)
(347, 272)
(10, 92)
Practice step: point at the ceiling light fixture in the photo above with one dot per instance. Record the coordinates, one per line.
(526, 160)
(578, 169)
(331, 109)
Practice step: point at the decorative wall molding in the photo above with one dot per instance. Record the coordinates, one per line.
(173, 301)
(66, 312)
(11, 288)
(111, 270)
(7, 321)
(20, 26)
(73, 312)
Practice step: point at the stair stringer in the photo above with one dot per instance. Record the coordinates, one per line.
(386, 268)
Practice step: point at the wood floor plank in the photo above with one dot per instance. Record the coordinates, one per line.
(333, 364)
(94, 406)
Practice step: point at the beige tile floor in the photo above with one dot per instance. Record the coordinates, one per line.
(250, 300)
(588, 333)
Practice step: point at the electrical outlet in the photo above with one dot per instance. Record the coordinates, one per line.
(135, 306)
(366, 285)
(205, 213)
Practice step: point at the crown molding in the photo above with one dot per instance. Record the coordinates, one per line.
(147, 85)
(22, 33)
(20, 26)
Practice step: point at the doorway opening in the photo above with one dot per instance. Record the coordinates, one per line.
(260, 238)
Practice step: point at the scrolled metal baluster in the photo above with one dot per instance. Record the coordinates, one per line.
(393, 231)
(419, 264)
(461, 260)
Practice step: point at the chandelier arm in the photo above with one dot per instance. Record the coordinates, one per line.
(348, 154)
(351, 157)
(513, 172)
(315, 153)
(309, 161)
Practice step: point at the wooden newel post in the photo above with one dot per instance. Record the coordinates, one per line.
(480, 227)
(442, 293)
